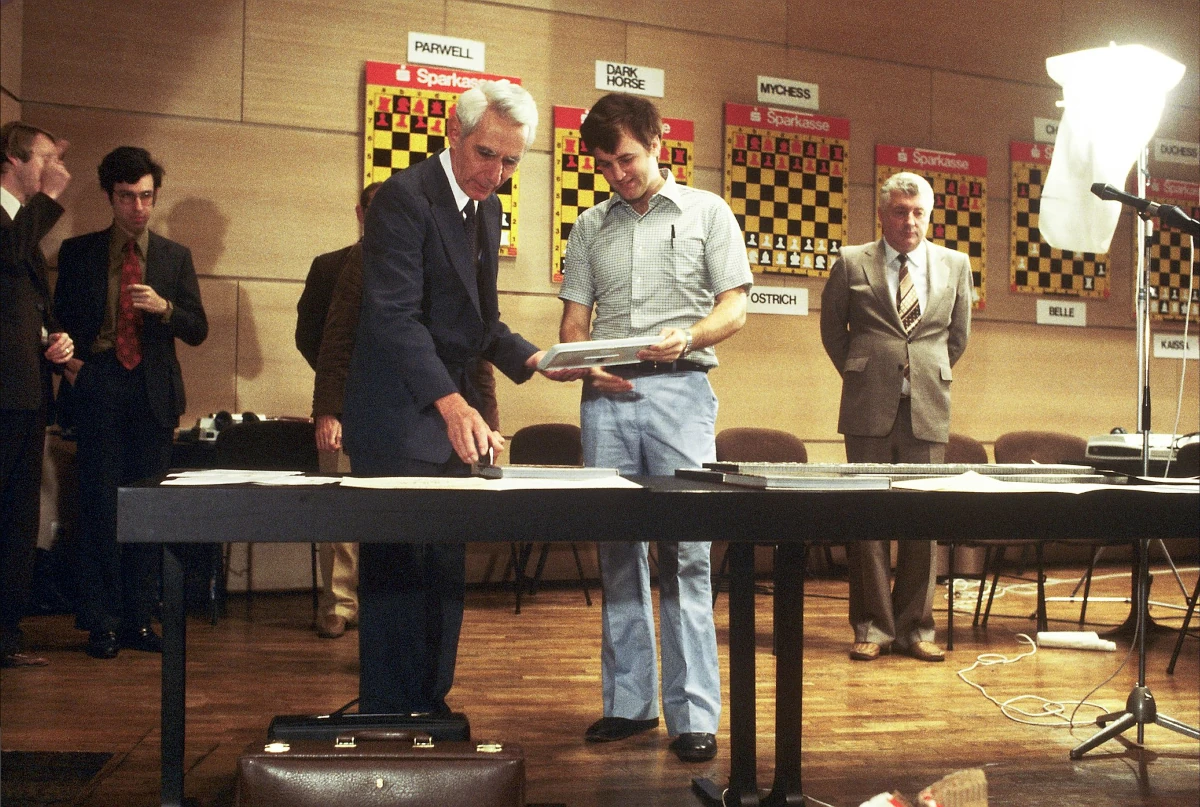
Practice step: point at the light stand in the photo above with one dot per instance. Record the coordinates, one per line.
(1140, 707)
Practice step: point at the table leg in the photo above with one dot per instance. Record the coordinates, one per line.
(174, 672)
(789, 673)
(743, 733)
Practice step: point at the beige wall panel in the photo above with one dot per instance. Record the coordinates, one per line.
(1082, 381)
(240, 215)
(209, 369)
(9, 108)
(774, 373)
(304, 58)
(166, 57)
(768, 16)
(272, 376)
(884, 105)
(972, 37)
(554, 55)
(1178, 123)
(1172, 27)
(11, 27)
(702, 73)
(981, 116)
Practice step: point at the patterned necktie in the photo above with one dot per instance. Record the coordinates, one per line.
(129, 320)
(906, 298)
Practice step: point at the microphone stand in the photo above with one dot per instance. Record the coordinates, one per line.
(1140, 707)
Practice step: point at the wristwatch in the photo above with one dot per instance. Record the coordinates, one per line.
(687, 348)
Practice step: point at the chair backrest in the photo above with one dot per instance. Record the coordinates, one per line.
(964, 449)
(268, 445)
(1047, 448)
(751, 444)
(546, 444)
(1187, 460)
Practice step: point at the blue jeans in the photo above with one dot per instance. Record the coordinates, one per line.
(667, 422)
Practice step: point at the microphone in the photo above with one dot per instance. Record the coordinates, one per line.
(1110, 194)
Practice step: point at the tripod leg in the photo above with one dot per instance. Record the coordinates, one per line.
(1176, 726)
(1124, 721)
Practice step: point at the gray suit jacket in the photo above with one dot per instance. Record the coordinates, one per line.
(861, 332)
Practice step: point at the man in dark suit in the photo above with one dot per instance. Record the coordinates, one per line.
(895, 317)
(32, 176)
(128, 294)
(429, 312)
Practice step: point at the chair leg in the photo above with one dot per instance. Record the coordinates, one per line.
(316, 589)
(1087, 584)
(587, 595)
(1043, 622)
(999, 563)
(950, 597)
(216, 583)
(1183, 629)
(520, 560)
(249, 582)
(983, 573)
(543, 554)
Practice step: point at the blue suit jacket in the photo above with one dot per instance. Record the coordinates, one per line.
(80, 297)
(423, 325)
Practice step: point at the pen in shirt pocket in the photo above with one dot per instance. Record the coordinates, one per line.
(672, 236)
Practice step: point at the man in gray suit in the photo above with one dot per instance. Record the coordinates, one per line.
(895, 317)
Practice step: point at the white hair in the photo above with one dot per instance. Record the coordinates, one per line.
(511, 101)
(908, 184)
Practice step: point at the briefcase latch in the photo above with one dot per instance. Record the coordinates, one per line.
(422, 741)
(345, 741)
(489, 747)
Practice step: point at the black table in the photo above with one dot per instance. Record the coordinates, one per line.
(663, 509)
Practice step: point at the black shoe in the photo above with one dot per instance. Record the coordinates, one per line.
(103, 644)
(608, 729)
(694, 746)
(143, 639)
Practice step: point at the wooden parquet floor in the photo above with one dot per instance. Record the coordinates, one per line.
(894, 724)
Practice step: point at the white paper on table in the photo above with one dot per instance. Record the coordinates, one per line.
(972, 482)
(226, 476)
(478, 483)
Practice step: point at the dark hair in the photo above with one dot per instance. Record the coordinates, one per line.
(128, 164)
(619, 113)
(364, 198)
(17, 140)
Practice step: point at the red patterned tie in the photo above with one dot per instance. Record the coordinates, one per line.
(129, 319)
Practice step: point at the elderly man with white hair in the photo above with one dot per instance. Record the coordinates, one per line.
(895, 317)
(429, 314)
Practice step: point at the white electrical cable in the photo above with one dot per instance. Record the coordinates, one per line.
(1052, 714)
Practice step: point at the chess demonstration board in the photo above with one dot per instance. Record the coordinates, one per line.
(786, 175)
(958, 220)
(1037, 267)
(407, 110)
(1172, 262)
(577, 183)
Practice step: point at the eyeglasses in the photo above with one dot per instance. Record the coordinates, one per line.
(129, 197)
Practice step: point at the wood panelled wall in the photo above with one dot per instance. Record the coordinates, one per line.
(254, 107)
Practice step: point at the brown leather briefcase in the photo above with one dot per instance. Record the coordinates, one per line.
(381, 769)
